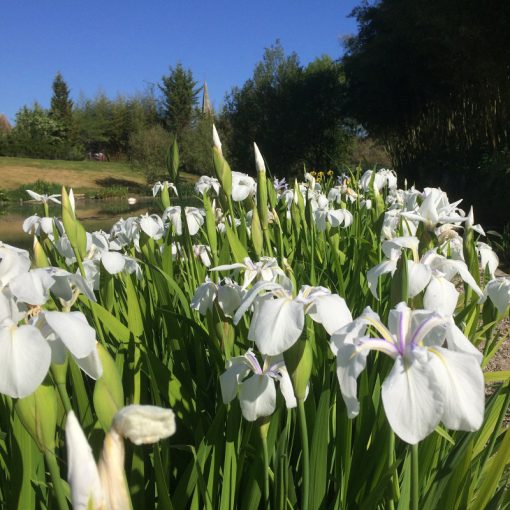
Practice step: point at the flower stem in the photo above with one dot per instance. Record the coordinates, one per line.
(306, 457)
(51, 462)
(263, 435)
(395, 489)
(414, 478)
(64, 397)
(59, 377)
(99, 331)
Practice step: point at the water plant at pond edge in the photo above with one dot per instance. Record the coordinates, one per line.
(321, 345)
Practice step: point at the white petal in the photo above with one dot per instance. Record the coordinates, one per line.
(412, 401)
(373, 274)
(228, 267)
(113, 262)
(91, 364)
(452, 267)
(278, 325)
(466, 276)
(74, 331)
(236, 371)
(34, 195)
(47, 225)
(82, 471)
(12, 263)
(30, 224)
(252, 295)
(257, 396)
(151, 227)
(457, 341)
(349, 334)
(58, 350)
(8, 308)
(194, 220)
(287, 389)
(441, 296)
(25, 358)
(331, 311)
(487, 258)
(336, 217)
(395, 245)
(428, 326)
(349, 364)
(418, 276)
(461, 380)
(204, 297)
(499, 292)
(32, 287)
(229, 298)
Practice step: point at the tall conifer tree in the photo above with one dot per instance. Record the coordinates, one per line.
(180, 98)
(61, 105)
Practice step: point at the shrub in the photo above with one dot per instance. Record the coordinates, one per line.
(147, 151)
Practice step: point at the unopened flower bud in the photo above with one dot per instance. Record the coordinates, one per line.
(144, 424)
(216, 139)
(259, 160)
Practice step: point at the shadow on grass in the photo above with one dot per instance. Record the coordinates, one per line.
(132, 186)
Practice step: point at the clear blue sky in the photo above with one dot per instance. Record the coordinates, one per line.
(118, 46)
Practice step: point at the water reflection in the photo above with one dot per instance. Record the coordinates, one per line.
(94, 215)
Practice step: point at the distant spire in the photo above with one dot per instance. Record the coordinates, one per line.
(206, 102)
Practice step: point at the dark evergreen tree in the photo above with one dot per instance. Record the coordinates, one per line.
(61, 108)
(180, 98)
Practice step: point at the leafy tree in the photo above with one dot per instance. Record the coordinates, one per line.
(37, 134)
(295, 114)
(5, 125)
(180, 98)
(93, 120)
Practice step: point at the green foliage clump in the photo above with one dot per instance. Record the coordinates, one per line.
(112, 192)
(147, 151)
(195, 145)
(40, 186)
(35, 134)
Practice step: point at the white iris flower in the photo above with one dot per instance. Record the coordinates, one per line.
(257, 392)
(278, 318)
(428, 384)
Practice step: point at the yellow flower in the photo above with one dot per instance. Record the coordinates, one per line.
(330, 173)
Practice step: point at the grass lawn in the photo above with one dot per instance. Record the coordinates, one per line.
(82, 176)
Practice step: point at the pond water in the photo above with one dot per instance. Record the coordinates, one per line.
(94, 215)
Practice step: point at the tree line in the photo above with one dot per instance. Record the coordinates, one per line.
(294, 112)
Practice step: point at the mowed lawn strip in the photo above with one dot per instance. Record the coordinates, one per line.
(81, 175)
